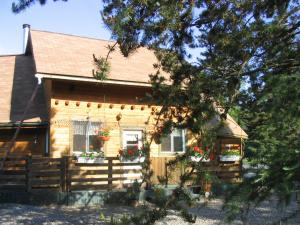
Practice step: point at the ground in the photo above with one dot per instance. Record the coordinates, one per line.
(11, 214)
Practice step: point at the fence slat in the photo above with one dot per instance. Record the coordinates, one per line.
(110, 174)
(28, 173)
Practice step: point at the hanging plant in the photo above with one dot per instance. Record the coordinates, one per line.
(103, 134)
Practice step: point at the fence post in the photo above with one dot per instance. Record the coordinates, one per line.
(110, 173)
(166, 173)
(68, 161)
(63, 162)
(28, 172)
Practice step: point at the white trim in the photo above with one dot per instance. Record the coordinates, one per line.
(139, 133)
(91, 79)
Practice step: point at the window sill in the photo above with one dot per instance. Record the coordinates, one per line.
(173, 154)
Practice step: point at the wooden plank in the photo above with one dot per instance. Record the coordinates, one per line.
(45, 160)
(13, 172)
(127, 164)
(122, 171)
(28, 173)
(88, 172)
(45, 167)
(91, 164)
(49, 173)
(15, 158)
(110, 173)
(14, 164)
(98, 179)
(228, 175)
(63, 174)
(12, 187)
(35, 182)
(45, 187)
(89, 187)
(12, 179)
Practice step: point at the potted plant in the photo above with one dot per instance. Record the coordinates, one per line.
(133, 154)
(199, 155)
(103, 134)
(91, 157)
(230, 156)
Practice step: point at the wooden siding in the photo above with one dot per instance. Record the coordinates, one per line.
(98, 103)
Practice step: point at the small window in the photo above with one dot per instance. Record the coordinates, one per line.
(132, 139)
(174, 142)
(85, 138)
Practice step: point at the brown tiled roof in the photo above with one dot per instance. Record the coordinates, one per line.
(63, 54)
(17, 82)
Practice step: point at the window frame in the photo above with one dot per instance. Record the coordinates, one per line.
(171, 135)
(132, 131)
(87, 127)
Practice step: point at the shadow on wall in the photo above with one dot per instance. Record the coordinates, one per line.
(24, 83)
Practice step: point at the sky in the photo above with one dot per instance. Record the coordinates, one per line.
(77, 17)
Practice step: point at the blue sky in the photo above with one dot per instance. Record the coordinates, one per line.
(78, 17)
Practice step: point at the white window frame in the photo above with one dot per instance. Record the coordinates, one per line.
(183, 132)
(139, 133)
(87, 137)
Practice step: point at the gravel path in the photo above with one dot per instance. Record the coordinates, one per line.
(11, 214)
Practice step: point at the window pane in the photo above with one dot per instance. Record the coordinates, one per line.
(166, 144)
(178, 144)
(132, 139)
(79, 143)
(84, 138)
(94, 143)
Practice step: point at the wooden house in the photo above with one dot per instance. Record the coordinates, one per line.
(71, 104)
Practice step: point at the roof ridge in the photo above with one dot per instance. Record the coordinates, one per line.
(73, 35)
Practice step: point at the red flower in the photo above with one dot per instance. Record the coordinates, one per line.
(130, 152)
(197, 149)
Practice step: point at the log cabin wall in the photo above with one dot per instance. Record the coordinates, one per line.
(99, 103)
(71, 101)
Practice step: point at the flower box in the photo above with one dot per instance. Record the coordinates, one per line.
(104, 138)
(89, 160)
(229, 158)
(135, 160)
(198, 159)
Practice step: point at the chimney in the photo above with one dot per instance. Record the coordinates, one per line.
(26, 28)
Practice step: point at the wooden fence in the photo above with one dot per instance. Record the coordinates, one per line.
(230, 172)
(65, 174)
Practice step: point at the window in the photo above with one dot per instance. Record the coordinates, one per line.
(132, 139)
(84, 136)
(174, 142)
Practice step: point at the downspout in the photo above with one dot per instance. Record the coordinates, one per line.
(14, 138)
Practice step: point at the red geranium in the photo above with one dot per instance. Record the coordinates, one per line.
(130, 152)
(197, 149)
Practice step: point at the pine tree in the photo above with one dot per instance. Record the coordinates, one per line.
(251, 42)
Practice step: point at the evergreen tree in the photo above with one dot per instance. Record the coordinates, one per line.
(252, 42)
